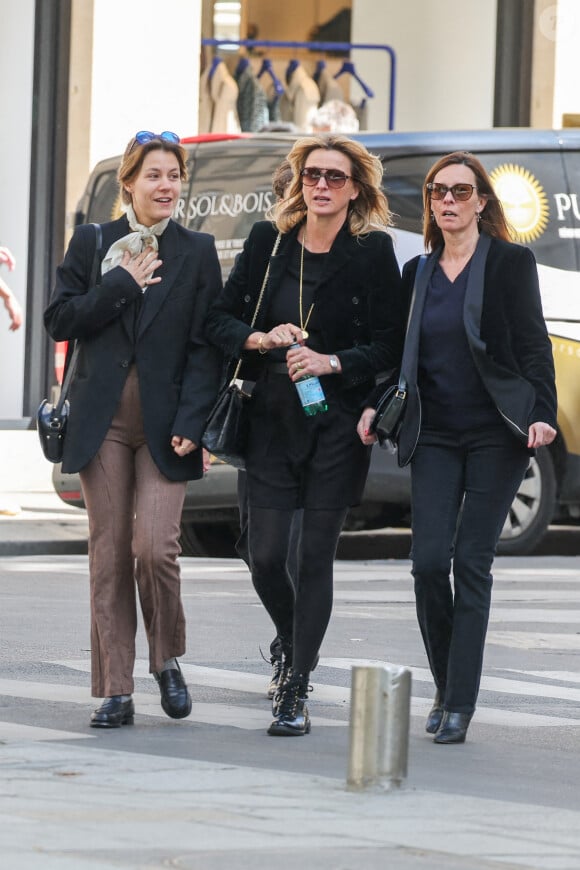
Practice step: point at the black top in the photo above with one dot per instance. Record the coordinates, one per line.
(452, 393)
(284, 305)
(360, 311)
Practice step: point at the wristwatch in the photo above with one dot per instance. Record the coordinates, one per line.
(333, 363)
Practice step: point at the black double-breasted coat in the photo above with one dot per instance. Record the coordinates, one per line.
(360, 310)
(506, 333)
(160, 331)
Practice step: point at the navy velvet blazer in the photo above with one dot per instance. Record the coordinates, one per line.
(178, 370)
(506, 333)
(358, 300)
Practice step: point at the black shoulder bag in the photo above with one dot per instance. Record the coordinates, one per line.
(388, 419)
(51, 419)
(225, 429)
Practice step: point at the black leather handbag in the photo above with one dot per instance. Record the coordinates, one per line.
(225, 430)
(388, 419)
(390, 411)
(51, 419)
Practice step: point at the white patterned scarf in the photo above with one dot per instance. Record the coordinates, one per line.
(135, 242)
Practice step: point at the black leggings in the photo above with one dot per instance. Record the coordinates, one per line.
(300, 616)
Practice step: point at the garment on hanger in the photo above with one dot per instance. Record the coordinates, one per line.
(273, 88)
(301, 97)
(252, 105)
(327, 84)
(362, 113)
(218, 93)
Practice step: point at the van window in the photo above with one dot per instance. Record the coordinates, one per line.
(567, 205)
(104, 198)
(228, 195)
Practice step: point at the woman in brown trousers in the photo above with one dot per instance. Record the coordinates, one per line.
(145, 381)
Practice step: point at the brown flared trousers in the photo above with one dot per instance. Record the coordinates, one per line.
(134, 516)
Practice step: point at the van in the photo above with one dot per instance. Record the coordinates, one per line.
(537, 177)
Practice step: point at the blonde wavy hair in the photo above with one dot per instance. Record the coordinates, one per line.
(369, 211)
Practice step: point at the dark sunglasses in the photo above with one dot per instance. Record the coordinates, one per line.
(144, 136)
(334, 178)
(459, 192)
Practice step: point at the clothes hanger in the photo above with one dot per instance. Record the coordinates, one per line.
(348, 67)
(320, 66)
(292, 66)
(268, 68)
(243, 64)
(214, 65)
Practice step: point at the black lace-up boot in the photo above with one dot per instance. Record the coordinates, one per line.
(291, 717)
(277, 668)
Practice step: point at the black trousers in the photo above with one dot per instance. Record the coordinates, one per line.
(462, 487)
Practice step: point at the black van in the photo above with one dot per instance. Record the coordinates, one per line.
(537, 177)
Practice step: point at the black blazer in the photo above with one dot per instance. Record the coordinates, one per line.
(358, 300)
(178, 370)
(507, 336)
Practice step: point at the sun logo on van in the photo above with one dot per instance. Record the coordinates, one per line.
(523, 199)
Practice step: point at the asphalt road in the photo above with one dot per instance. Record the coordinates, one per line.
(214, 791)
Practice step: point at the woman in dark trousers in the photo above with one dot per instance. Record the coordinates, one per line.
(481, 397)
(335, 279)
(145, 381)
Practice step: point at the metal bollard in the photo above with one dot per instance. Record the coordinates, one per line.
(379, 726)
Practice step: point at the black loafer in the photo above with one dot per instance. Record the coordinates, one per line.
(113, 713)
(435, 715)
(453, 728)
(175, 697)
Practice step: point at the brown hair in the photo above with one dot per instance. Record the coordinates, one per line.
(493, 220)
(370, 210)
(281, 179)
(133, 159)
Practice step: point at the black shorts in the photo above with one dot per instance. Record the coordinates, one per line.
(296, 461)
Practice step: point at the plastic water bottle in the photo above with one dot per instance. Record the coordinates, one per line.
(310, 393)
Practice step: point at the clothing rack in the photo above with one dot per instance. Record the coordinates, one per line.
(323, 46)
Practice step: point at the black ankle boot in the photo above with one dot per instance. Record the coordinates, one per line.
(435, 714)
(453, 727)
(283, 678)
(277, 666)
(291, 717)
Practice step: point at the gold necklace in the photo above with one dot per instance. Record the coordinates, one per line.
(303, 324)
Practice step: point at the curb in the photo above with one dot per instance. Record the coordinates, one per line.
(43, 548)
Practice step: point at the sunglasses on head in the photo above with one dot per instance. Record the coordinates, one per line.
(459, 192)
(144, 136)
(334, 177)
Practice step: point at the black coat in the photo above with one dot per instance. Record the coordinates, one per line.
(358, 300)
(178, 370)
(506, 333)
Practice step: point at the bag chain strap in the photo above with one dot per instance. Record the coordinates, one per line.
(259, 302)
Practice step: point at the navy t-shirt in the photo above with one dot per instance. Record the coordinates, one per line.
(452, 393)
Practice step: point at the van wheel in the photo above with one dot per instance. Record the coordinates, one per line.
(532, 509)
(208, 539)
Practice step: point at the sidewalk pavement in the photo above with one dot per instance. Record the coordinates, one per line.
(33, 519)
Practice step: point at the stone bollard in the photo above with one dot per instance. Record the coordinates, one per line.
(379, 726)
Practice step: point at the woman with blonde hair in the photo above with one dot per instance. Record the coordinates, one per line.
(331, 318)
